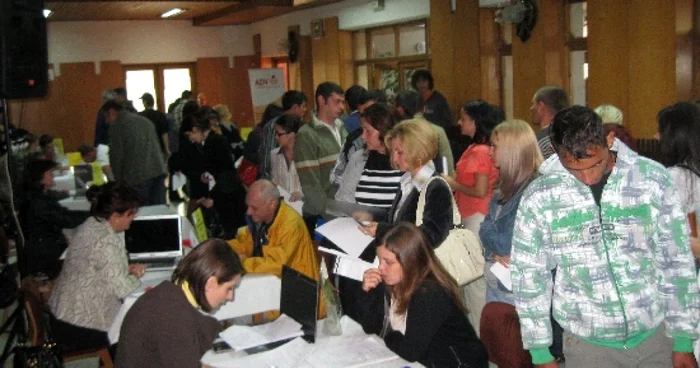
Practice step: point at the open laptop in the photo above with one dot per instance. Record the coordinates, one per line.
(155, 240)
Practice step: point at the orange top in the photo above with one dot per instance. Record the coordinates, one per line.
(474, 160)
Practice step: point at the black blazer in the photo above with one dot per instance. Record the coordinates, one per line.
(437, 214)
(438, 333)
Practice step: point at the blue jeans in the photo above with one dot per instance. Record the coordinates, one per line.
(152, 190)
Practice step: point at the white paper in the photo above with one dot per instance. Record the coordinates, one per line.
(244, 337)
(344, 232)
(503, 275)
(353, 268)
(297, 205)
(291, 354)
(179, 180)
(351, 352)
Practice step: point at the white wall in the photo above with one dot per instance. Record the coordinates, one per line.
(136, 42)
(352, 15)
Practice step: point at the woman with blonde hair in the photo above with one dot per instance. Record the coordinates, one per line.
(515, 153)
(414, 305)
(229, 130)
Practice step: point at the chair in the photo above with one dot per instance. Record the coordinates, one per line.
(37, 321)
(500, 333)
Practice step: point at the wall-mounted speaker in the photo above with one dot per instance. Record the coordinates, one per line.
(23, 49)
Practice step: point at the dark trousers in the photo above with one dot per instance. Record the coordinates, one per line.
(72, 337)
(152, 190)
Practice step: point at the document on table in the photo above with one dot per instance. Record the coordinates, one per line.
(244, 337)
(503, 275)
(352, 353)
(345, 233)
(291, 355)
(297, 205)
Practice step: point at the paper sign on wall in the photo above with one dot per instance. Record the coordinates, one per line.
(266, 87)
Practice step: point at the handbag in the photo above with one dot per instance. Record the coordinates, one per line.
(44, 356)
(461, 253)
(248, 172)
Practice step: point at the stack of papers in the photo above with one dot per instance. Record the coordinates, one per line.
(296, 205)
(345, 233)
(245, 337)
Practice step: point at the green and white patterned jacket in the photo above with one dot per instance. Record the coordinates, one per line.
(622, 268)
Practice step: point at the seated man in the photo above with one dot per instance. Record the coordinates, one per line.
(275, 236)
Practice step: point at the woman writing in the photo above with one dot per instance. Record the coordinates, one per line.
(96, 274)
(284, 172)
(166, 326)
(413, 304)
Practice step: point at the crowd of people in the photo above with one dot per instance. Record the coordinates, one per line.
(600, 241)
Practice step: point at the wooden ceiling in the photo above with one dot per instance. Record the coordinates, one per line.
(200, 12)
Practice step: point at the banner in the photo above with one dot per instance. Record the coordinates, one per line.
(266, 87)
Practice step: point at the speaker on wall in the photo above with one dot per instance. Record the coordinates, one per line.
(23, 49)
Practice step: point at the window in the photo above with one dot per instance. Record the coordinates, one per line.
(386, 57)
(164, 81)
(577, 44)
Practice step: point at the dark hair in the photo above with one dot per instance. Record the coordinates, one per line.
(679, 128)
(291, 98)
(120, 91)
(352, 96)
(148, 100)
(201, 122)
(111, 105)
(271, 111)
(418, 262)
(190, 108)
(212, 257)
(326, 89)
(575, 130)
(290, 123)
(45, 140)
(485, 117)
(380, 117)
(422, 74)
(553, 97)
(207, 113)
(376, 95)
(84, 149)
(35, 173)
(111, 198)
(621, 133)
(186, 94)
(409, 101)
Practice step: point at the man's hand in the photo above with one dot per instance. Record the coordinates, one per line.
(505, 260)
(684, 360)
(552, 364)
(296, 196)
(695, 246)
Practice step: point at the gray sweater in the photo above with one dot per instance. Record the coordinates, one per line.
(134, 149)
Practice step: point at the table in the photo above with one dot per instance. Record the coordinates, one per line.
(255, 294)
(352, 349)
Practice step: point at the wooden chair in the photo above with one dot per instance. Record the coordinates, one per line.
(36, 326)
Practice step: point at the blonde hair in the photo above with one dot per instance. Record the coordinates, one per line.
(519, 156)
(609, 114)
(418, 139)
(224, 112)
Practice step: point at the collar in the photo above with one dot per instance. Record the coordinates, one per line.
(427, 95)
(624, 161)
(317, 123)
(188, 294)
(423, 175)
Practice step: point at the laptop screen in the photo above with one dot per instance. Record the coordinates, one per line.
(299, 300)
(154, 237)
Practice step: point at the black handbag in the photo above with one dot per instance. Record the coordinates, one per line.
(44, 356)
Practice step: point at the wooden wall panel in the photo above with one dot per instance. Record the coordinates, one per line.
(331, 56)
(685, 77)
(301, 72)
(490, 42)
(347, 68)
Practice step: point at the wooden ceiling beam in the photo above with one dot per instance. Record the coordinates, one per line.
(242, 6)
(138, 1)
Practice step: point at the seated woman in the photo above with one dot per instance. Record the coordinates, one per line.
(43, 220)
(284, 172)
(166, 326)
(96, 274)
(413, 304)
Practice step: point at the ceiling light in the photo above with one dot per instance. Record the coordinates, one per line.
(47, 13)
(172, 12)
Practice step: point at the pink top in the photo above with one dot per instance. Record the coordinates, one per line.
(474, 160)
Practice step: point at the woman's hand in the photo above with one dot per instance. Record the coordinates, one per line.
(206, 202)
(296, 196)
(137, 269)
(370, 229)
(695, 246)
(362, 216)
(505, 260)
(371, 279)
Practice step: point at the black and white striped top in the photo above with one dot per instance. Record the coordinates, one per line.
(379, 182)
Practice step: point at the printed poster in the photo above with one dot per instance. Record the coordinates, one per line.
(266, 87)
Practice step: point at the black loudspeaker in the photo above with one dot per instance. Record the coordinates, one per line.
(23, 50)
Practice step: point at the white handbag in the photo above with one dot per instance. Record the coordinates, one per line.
(461, 254)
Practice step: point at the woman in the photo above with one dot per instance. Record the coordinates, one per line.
(43, 220)
(166, 326)
(613, 122)
(679, 134)
(284, 173)
(515, 153)
(229, 130)
(413, 304)
(413, 145)
(214, 169)
(476, 173)
(369, 179)
(96, 274)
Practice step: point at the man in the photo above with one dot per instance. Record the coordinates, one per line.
(159, 120)
(406, 103)
(352, 99)
(88, 154)
(610, 221)
(134, 153)
(546, 103)
(101, 126)
(316, 150)
(122, 99)
(293, 103)
(276, 235)
(432, 103)
(176, 120)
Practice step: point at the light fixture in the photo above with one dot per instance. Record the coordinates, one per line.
(172, 12)
(47, 13)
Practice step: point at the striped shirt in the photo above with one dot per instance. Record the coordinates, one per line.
(379, 182)
(544, 142)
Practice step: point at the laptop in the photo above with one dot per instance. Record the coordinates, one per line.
(156, 241)
(83, 176)
(299, 300)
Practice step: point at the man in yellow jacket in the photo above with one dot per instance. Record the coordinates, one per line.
(275, 236)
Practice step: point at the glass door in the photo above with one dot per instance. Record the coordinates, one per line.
(139, 82)
(175, 80)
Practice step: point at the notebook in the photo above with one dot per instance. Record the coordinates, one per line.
(299, 300)
(155, 240)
